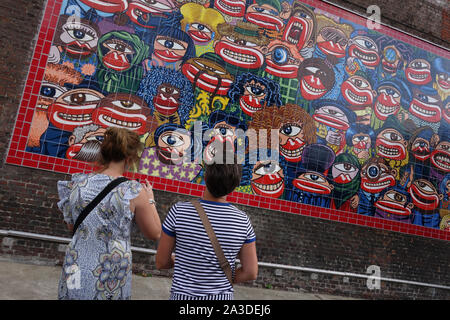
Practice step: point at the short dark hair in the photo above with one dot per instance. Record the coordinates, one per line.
(221, 178)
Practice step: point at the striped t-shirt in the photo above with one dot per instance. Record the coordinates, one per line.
(197, 273)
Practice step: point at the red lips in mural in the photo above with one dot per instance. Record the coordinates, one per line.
(233, 8)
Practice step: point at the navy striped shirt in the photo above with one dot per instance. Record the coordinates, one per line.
(197, 272)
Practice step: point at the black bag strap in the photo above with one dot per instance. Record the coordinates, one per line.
(96, 201)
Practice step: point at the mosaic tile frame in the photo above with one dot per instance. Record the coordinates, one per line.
(18, 156)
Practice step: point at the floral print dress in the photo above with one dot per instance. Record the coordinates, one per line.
(97, 263)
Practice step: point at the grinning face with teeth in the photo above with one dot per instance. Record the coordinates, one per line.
(264, 15)
(74, 108)
(388, 102)
(77, 37)
(394, 202)
(283, 59)
(239, 49)
(358, 91)
(426, 106)
(124, 111)
(391, 144)
(316, 78)
(300, 29)
(208, 75)
(232, 8)
(440, 158)
(377, 176)
(145, 9)
(365, 49)
(254, 95)
(166, 100)
(267, 179)
(418, 72)
(424, 195)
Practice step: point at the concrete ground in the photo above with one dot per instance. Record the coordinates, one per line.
(26, 281)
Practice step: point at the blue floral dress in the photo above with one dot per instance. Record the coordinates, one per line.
(97, 263)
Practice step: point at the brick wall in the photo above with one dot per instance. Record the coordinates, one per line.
(28, 196)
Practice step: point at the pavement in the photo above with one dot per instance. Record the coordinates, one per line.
(33, 281)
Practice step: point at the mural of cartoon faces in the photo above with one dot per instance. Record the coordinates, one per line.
(361, 119)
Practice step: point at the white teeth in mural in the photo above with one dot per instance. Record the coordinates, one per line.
(291, 153)
(227, 7)
(109, 121)
(424, 112)
(354, 97)
(294, 41)
(419, 76)
(269, 188)
(388, 151)
(443, 161)
(311, 90)
(385, 109)
(247, 106)
(363, 56)
(377, 185)
(239, 57)
(75, 117)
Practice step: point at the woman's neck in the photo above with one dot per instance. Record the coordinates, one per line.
(209, 197)
(113, 169)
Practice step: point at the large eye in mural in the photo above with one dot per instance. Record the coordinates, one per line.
(366, 50)
(264, 16)
(207, 75)
(424, 194)
(357, 91)
(268, 179)
(426, 107)
(440, 157)
(167, 99)
(390, 144)
(313, 182)
(291, 143)
(361, 142)
(393, 202)
(48, 93)
(375, 178)
(74, 108)
(123, 111)
(80, 39)
(119, 54)
(169, 49)
(344, 172)
(387, 102)
(332, 116)
(233, 8)
(418, 72)
(172, 146)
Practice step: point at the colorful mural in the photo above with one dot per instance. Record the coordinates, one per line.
(362, 119)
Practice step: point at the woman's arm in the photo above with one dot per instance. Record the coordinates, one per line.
(249, 263)
(164, 257)
(146, 215)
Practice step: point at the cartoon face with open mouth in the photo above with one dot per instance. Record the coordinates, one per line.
(74, 108)
(332, 41)
(394, 202)
(391, 144)
(424, 195)
(357, 91)
(316, 78)
(253, 97)
(292, 141)
(123, 111)
(241, 50)
(283, 59)
(365, 49)
(169, 49)
(440, 157)
(377, 176)
(233, 8)
(443, 81)
(172, 146)
(109, 6)
(387, 102)
(265, 16)
(426, 106)
(78, 38)
(145, 9)
(167, 99)
(267, 179)
(208, 75)
(119, 54)
(418, 72)
(300, 28)
(344, 172)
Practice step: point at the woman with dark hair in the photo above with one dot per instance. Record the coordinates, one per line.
(97, 264)
(197, 271)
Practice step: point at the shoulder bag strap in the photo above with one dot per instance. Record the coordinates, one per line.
(96, 201)
(224, 264)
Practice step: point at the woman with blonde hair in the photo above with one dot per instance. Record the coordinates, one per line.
(97, 263)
